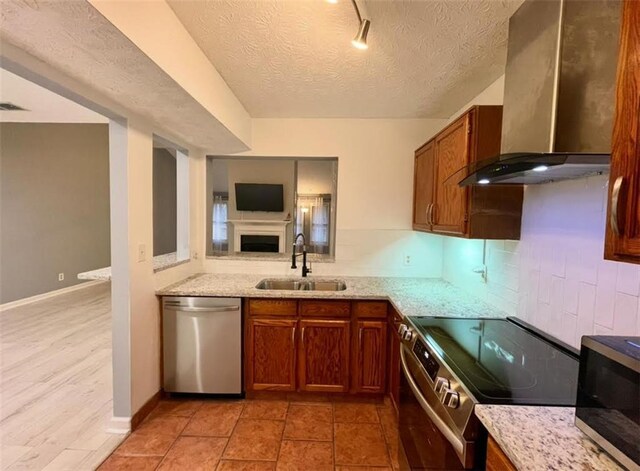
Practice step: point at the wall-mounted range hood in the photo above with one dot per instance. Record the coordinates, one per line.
(559, 94)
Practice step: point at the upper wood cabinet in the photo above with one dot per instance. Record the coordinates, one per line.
(323, 356)
(443, 207)
(623, 223)
(423, 183)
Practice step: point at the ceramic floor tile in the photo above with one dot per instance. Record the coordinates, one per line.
(163, 425)
(311, 412)
(226, 465)
(305, 456)
(177, 408)
(360, 444)
(214, 420)
(255, 440)
(355, 413)
(130, 463)
(144, 443)
(272, 410)
(193, 454)
(308, 430)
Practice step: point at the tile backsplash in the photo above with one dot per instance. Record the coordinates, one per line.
(555, 276)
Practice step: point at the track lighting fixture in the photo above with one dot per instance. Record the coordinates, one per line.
(360, 41)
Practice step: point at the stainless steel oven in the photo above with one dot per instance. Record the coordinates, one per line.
(430, 437)
(608, 405)
(451, 364)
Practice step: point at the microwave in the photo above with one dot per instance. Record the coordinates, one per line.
(608, 398)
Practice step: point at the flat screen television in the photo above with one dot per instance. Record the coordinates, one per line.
(259, 197)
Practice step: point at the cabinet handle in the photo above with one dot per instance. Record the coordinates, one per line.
(293, 336)
(615, 202)
(302, 335)
(359, 336)
(429, 208)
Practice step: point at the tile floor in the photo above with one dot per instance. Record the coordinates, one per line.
(261, 435)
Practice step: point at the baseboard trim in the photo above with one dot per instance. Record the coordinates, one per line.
(145, 410)
(50, 294)
(119, 425)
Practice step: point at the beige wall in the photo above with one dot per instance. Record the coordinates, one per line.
(375, 191)
(54, 205)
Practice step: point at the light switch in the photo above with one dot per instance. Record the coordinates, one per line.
(142, 253)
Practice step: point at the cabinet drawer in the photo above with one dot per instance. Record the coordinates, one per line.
(273, 307)
(325, 308)
(370, 309)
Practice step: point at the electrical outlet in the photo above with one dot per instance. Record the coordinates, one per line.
(142, 253)
(406, 260)
(60, 276)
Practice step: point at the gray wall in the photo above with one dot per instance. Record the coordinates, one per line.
(164, 202)
(54, 205)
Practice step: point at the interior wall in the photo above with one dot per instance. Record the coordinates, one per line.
(165, 202)
(54, 205)
(555, 277)
(375, 194)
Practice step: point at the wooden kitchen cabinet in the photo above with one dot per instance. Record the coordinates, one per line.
(622, 241)
(323, 355)
(271, 354)
(370, 351)
(443, 207)
(496, 459)
(423, 184)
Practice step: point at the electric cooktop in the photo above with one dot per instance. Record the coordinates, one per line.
(503, 361)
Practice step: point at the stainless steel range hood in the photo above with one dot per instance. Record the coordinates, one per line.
(559, 93)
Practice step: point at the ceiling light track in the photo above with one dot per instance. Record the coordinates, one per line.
(360, 40)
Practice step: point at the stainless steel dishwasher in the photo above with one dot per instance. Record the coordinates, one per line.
(202, 345)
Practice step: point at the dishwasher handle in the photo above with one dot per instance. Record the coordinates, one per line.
(183, 308)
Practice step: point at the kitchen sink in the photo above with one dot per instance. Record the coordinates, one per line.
(304, 285)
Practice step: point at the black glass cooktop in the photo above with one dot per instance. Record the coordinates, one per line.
(502, 362)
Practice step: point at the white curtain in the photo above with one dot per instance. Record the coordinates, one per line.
(219, 232)
(313, 219)
(320, 223)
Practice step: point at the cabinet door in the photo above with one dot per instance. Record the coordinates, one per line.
(324, 355)
(271, 354)
(423, 183)
(623, 222)
(370, 350)
(449, 212)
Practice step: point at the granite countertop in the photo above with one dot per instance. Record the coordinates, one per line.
(160, 262)
(410, 296)
(543, 438)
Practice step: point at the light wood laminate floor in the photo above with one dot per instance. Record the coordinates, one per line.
(55, 382)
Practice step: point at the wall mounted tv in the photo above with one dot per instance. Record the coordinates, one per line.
(259, 197)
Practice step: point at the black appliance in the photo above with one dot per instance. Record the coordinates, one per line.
(259, 197)
(451, 364)
(608, 406)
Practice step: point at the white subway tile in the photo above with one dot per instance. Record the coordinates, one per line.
(586, 307)
(571, 296)
(544, 288)
(567, 330)
(628, 280)
(625, 317)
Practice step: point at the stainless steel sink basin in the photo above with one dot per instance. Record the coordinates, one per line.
(280, 284)
(305, 285)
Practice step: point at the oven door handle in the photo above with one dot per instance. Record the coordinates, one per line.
(457, 444)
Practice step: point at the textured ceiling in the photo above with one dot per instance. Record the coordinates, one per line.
(293, 58)
(72, 37)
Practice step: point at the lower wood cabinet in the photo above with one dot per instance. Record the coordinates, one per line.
(323, 355)
(370, 350)
(271, 354)
(496, 459)
(326, 346)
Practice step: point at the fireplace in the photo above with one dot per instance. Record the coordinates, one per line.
(259, 243)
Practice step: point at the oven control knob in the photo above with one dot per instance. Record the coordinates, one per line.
(408, 335)
(402, 329)
(451, 398)
(442, 385)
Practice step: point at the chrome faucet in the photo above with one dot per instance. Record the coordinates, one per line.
(305, 270)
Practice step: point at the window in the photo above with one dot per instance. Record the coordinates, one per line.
(308, 192)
